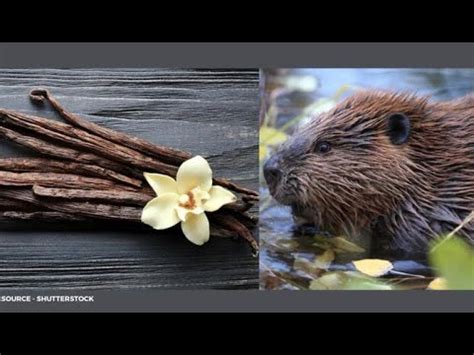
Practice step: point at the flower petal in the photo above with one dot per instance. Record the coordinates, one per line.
(192, 173)
(183, 212)
(161, 184)
(196, 228)
(218, 198)
(200, 195)
(160, 213)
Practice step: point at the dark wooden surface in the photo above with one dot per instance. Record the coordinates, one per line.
(209, 112)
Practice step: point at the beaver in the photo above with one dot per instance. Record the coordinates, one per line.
(397, 166)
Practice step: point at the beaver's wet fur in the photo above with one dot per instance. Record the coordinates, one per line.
(397, 166)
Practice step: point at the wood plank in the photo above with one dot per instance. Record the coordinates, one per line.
(209, 112)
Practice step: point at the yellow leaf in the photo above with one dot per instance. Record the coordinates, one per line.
(324, 260)
(373, 267)
(316, 267)
(262, 152)
(271, 136)
(438, 284)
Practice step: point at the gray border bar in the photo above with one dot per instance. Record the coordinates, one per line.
(252, 301)
(237, 55)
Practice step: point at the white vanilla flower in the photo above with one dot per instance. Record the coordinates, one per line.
(185, 200)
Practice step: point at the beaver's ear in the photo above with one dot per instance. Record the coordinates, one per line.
(398, 128)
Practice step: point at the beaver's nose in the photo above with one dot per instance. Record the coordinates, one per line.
(271, 171)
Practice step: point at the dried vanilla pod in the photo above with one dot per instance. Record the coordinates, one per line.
(89, 172)
(165, 154)
(63, 166)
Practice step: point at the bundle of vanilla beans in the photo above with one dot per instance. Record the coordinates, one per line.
(89, 172)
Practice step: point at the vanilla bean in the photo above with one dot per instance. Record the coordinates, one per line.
(8, 204)
(238, 207)
(116, 196)
(119, 196)
(53, 217)
(107, 156)
(96, 210)
(247, 220)
(230, 222)
(253, 195)
(251, 198)
(58, 166)
(49, 216)
(112, 196)
(224, 221)
(166, 154)
(218, 231)
(58, 151)
(55, 180)
(82, 140)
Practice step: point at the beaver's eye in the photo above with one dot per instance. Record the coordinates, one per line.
(322, 147)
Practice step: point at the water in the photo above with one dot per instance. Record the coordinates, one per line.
(286, 93)
(441, 84)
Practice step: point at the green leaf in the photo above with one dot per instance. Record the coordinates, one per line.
(367, 284)
(343, 245)
(347, 281)
(454, 261)
(330, 281)
(322, 242)
(337, 244)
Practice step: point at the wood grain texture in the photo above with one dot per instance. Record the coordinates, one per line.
(213, 113)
